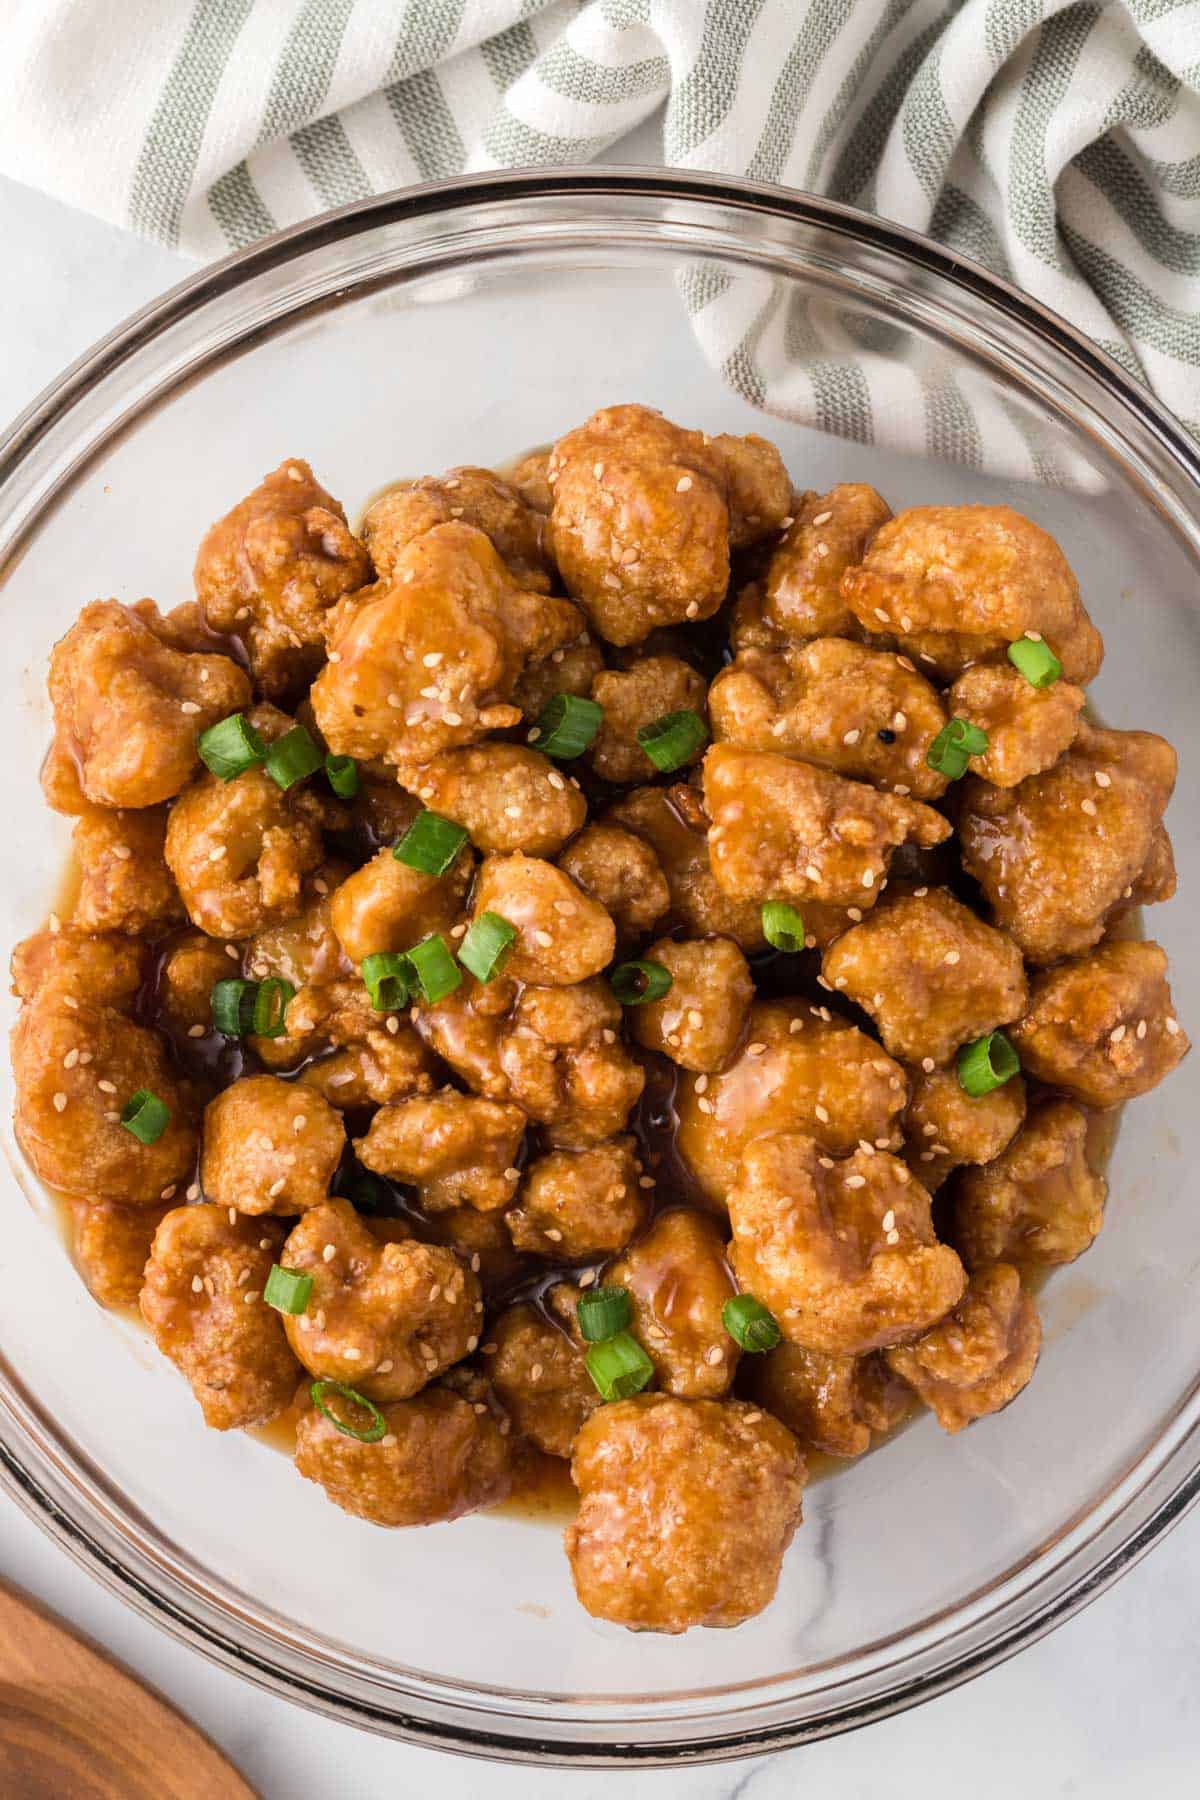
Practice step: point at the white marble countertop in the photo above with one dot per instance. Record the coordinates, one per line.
(1109, 1702)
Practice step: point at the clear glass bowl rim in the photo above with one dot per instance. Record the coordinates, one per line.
(1077, 1569)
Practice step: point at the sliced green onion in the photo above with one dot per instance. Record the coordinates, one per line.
(602, 1312)
(953, 747)
(782, 926)
(146, 1116)
(271, 1002)
(436, 971)
(485, 946)
(230, 747)
(388, 979)
(673, 740)
(232, 1003)
(749, 1323)
(1036, 661)
(342, 774)
(634, 983)
(566, 725)
(287, 1290)
(378, 1425)
(986, 1064)
(430, 844)
(292, 757)
(619, 1367)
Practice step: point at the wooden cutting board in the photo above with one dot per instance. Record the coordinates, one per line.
(75, 1726)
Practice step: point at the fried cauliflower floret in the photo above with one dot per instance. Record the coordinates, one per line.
(649, 688)
(956, 585)
(104, 968)
(555, 1052)
(481, 1240)
(699, 1020)
(562, 936)
(577, 1204)
(674, 824)
(128, 710)
(270, 1146)
(1027, 728)
(843, 1253)
(833, 1404)
(506, 796)
(801, 595)
(477, 497)
(570, 670)
(189, 971)
(623, 874)
(859, 712)
(677, 1277)
(981, 1356)
(429, 658)
(644, 514)
(799, 1070)
(240, 850)
(1103, 1027)
(110, 1245)
(1040, 1201)
(353, 1056)
(946, 1127)
(76, 1063)
(930, 974)
(202, 1299)
(540, 1378)
(685, 1510)
(1058, 855)
(459, 1150)
(124, 882)
(445, 1452)
(786, 830)
(386, 905)
(383, 1317)
(273, 567)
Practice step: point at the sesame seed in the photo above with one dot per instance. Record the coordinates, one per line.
(597, 470)
(193, 1193)
(188, 706)
(60, 1102)
(231, 951)
(453, 718)
(868, 879)
(811, 872)
(1103, 780)
(1035, 637)
(906, 623)
(695, 1018)
(701, 1083)
(264, 1243)
(881, 615)
(928, 1064)
(1172, 1026)
(232, 1211)
(888, 1219)
(456, 932)
(1115, 1036)
(429, 693)
(168, 1193)
(822, 550)
(1089, 807)
(822, 1113)
(608, 1036)
(276, 1187)
(556, 781)
(856, 1181)
(704, 1105)
(714, 1356)
(893, 1237)
(196, 1031)
(329, 1252)
(645, 1181)
(335, 656)
(920, 893)
(543, 938)
(822, 518)
(512, 1174)
(1141, 1030)
(855, 913)
(250, 1297)
(683, 484)
(901, 788)
(755, 1049)
(951, 957)
(692, 610)
(852, 737)
(122, 852)
(243, 1278)
(899, 721)
(70, 1059)
(536, 1372)
(867, 1149)
(197, 1285)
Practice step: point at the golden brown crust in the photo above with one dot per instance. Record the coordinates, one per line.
(685, 1510)
(1103, 1027)
(578, 1204)
(540, 1378)
(459, 1150)
(270, 1146)
(828, 535)
(832, 1404)
(477, 497)
(700, 1021)
(1039, 1202)
(981, 1356)
(678, 1278)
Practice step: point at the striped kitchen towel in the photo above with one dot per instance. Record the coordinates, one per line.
(1059, 144)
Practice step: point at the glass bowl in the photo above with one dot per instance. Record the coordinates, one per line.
(467, 322)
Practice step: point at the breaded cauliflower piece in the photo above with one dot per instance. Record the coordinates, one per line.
(1102, 1027)
(124, 882)
(1027, 728)
(577, 1204)
(476, 496)
(540, 1377)
(833, 1404)
(457, 1149)
(946, 1127)
(981, 1356)
(386, 905)
(270, 1146)
(563, 936)
(623, 874)
(699, 1021)
(649, 688)
(506, 796)
(678, 1279)
(829, 533)
(1039, 1202)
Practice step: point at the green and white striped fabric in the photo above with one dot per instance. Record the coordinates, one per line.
(1060, 144)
